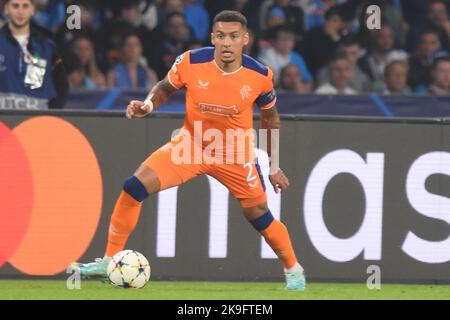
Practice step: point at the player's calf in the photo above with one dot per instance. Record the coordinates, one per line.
(125, 215)
(277, 236)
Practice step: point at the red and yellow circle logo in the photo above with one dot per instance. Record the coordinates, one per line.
(50, 195)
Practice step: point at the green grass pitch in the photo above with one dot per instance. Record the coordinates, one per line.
(177, 290)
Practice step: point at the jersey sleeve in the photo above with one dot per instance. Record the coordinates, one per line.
(268, 96)
(177, 74)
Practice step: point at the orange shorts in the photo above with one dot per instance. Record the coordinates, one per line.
(244, 181)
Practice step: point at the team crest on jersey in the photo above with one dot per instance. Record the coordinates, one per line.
(245, 92)
(218, 109)
(203, 85)
(177, 61)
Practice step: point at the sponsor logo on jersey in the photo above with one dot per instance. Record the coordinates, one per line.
(218, 109)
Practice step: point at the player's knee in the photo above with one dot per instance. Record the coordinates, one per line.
(134, 187)
(262, 222)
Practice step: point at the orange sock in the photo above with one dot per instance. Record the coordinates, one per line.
(123, 221)
(277, 236)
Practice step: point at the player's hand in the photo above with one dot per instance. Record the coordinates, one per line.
(279, 181)
(137, 109)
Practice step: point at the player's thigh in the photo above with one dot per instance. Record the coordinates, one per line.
(160, 172)
(244, 181)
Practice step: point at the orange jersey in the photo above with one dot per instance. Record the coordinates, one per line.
(218, 99)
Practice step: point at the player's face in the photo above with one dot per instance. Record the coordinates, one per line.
(20, 12)
(229, 39)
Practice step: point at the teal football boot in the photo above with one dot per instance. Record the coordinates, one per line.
(295, 278)
(92, 270)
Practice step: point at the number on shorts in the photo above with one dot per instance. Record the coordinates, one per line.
(250, 177)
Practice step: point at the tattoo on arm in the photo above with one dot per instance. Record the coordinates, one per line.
(161, 93)
(270, 120)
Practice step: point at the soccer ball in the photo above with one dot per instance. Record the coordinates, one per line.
(128, 269)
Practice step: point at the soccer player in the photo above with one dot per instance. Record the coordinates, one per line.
(222, 86)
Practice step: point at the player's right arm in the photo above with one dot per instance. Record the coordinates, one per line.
(157, 97)
(176, 79)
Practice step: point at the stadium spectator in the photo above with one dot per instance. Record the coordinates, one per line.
(50, 14)
(31, 74)
(351, 48)
(294, 16)
(421, 61)
(381, 50)
(438, 19)
(315, 11)
(83, 48)
(413, 13)
(340, 74)
(132, 72)
(163, 40)
(281, 53)
(321, 42)
(292, 82)
(197, 18)
(392, 16)
(176, 37)
(76, 74)
(440, 75)
(275, 17)
(127, 17)
(396, 78)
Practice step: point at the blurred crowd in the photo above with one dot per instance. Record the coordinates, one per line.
(321, 46)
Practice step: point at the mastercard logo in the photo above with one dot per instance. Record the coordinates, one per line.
(50, 195)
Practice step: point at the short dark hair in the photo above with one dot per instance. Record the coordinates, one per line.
(274, 32)
(427, 31)
(174, 14)
(230, 16)
(436, 61)
(335, 11)
(348, 41)
(339, 55)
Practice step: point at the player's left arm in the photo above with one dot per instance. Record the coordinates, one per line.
(270, 120)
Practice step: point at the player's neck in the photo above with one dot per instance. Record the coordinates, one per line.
(229, 67)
